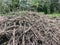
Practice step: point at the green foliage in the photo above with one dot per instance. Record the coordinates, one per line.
(46, 6)
(8, 5)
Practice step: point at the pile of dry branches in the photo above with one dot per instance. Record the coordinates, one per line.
(30, 29)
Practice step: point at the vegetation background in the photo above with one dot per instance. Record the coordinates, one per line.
(46, 6)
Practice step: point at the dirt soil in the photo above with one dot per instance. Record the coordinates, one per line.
(30, 29)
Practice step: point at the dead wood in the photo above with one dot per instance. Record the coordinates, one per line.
(30, 29)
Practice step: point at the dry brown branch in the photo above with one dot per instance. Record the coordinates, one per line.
(30, 29)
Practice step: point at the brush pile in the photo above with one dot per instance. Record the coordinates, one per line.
(30, 29)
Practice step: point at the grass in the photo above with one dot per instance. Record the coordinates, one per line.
(25, 12)
(54, 15)
(41, 13)
(16, 13)
(50, 15)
